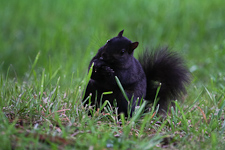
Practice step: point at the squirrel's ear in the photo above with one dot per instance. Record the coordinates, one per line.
(120, 34)
(134, 45)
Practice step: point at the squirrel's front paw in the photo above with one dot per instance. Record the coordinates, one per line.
(102, 71)
(107, 71)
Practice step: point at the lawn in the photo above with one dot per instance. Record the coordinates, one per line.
(45, 50)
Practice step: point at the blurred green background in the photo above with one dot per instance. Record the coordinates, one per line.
(68, 34)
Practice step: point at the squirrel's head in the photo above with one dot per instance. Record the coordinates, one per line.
(118, 49)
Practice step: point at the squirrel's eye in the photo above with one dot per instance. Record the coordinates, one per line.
(122, 51)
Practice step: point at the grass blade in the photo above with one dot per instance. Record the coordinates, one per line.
(34, 64)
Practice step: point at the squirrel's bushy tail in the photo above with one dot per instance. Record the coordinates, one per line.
(168, 69)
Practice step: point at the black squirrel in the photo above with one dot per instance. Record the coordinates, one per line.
(139, 79)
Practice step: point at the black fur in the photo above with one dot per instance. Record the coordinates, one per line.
(115, 58)
(167, 69)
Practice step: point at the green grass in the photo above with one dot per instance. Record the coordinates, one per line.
(45, 49)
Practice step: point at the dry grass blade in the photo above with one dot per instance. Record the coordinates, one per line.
(63, 110)
(203, 114)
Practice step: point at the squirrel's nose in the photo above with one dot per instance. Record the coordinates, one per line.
(103, 56)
